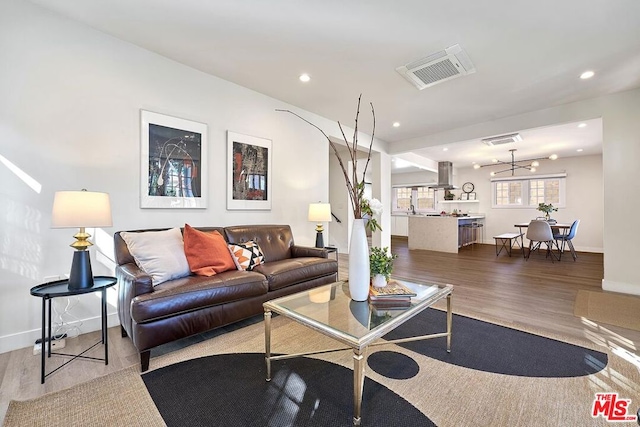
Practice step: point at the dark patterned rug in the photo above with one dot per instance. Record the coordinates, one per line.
(492, 348)
(230, 390)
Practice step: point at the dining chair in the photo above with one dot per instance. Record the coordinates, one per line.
(539, 232)
(566, 240)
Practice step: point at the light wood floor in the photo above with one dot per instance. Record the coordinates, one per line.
(533, 294)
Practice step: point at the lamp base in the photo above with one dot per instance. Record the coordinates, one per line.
(319, 240)
(81, 276)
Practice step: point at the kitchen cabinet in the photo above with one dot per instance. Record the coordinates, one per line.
(441, 233)
(399, 225)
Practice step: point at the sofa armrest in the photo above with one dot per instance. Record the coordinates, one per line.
(305, 251)
(132, 281)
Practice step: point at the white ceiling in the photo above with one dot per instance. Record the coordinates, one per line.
(563, 140)
(528, 55)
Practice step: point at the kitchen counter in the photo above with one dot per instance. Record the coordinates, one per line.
(439, 233)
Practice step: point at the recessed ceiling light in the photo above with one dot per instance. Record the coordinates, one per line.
(396, 124)
(579, 150)
(582, 125)
(587, 75)
(304, 77)
(445, 149)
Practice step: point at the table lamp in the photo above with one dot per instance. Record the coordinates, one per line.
(319, 213)
(80, 209)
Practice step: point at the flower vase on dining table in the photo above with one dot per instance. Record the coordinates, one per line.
(359, 273)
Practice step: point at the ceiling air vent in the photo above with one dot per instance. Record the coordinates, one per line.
(437, 68)
(502, 139)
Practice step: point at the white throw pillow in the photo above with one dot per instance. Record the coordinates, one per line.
(159, 253)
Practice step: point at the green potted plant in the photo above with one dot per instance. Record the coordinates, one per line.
(381, 265)
(547, 209)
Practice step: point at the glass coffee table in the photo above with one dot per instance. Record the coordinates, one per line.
(329, 310)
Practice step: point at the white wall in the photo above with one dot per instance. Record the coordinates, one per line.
(584, 200)
(410, 178)
(621, 150)
(69, 118)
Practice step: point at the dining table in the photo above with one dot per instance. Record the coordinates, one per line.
(560, 226)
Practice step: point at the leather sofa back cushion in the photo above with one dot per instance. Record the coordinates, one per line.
(160, 254)
(207, 253)
(275, 240)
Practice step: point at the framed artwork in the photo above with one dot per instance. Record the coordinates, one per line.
(464, 196)
(472, 196)
(173, 169)
(248, 172)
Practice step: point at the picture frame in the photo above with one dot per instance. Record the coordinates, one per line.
(173, 162)
(249, 171)
(464, 196)
(472, 196)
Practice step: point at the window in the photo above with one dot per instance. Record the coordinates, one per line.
(544, 191)
(422, 199)
(402, 199)
(425, 199)
(528, 192)
(508, 193)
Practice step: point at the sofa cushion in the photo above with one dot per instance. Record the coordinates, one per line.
(287, 272)
(246, 255)
(275, 240)
(196, 292)
(160, 254)
(207, 253)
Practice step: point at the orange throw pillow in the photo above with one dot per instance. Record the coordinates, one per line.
(207, 253)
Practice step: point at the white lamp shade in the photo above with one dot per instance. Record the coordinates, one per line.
(76, 209)
(320, 212)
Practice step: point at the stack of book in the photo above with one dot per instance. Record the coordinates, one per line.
(394, 295)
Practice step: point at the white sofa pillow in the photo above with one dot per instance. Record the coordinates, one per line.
(160, 254)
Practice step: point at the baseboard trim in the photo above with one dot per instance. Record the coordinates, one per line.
(623, 288)
(28, 338)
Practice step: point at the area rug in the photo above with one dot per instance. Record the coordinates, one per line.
(608, 307)
(230, 390)
(488, 347)
(448, 394)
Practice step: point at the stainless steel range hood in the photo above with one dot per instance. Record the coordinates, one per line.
(445, 176)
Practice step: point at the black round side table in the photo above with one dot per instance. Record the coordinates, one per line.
(60, 288)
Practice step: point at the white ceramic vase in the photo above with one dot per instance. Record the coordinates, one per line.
(379, 281)
(359, 262)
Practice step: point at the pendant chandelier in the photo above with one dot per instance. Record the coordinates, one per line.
(513, 165)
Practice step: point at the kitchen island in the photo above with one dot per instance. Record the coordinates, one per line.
(443, 233)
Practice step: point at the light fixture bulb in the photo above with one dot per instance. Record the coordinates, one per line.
(304, 77)
(532, 169)
(476, 166)
(396, 124)
(553, 156)
(535, 164)
(587, 75)
(494, 160)
(492, 174)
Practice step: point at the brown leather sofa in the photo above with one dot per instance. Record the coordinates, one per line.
(152, 316)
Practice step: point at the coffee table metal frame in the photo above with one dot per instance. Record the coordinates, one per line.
(359, 345)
